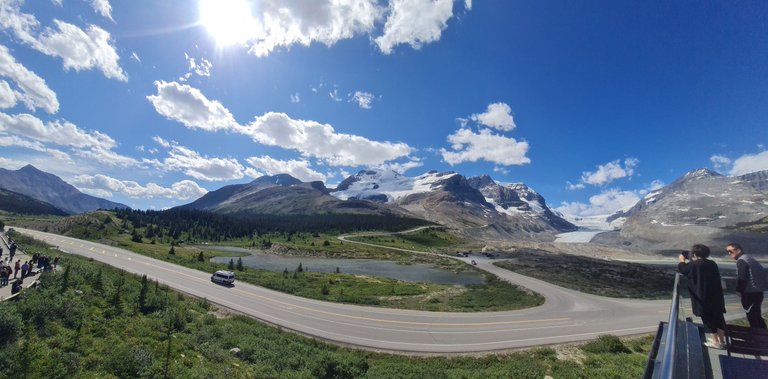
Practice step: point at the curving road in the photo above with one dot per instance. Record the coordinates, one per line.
(566, 315)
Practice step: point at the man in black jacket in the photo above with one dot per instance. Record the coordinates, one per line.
(706, 292)
(751, 283)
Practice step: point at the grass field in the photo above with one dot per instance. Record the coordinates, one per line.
(88, 320)
(494, 295)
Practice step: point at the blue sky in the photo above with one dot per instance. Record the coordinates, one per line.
(591, 103)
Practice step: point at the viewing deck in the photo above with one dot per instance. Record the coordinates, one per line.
(679, 351)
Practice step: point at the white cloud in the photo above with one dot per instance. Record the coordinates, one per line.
(12, 164)
(27, 131)
(414, 22)
(605, 203)
(335, 95)
(750, 163)
(363, 99)
(79, 49)
(202, 68)
(103, 8)
(299, 169)
(198, 166)
(277, 23)
(720, 162)
(607, 173)
(498, 116)
(295, 98)
(398, 167)
(250, 171)
(82, 49)
(189, 106)
(313, 139)
(106, 186)
(57, 132)
(471, 147)
(33, 92)
(16, 141)
(7, 97)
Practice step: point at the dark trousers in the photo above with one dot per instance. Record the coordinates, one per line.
(752, 303)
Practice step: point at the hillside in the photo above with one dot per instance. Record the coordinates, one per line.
(13, 202)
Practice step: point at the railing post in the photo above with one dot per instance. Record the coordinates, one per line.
(667, 367)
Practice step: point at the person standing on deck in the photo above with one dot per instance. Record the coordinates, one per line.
(751, 284)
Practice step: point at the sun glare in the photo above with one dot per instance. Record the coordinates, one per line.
(228, 21)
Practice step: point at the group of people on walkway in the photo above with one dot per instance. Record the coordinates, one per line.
(20, 270)
(706, 288)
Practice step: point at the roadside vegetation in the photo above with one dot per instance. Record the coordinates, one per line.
(90, 320)
(594, 276)
(494, 295)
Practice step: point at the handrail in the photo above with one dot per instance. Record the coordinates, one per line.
(668, 359)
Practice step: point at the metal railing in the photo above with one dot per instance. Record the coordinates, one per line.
(667, 363)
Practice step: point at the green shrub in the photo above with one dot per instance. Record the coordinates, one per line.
(607, 344)
(11, 324)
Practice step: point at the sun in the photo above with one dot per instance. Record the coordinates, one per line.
(228, 21)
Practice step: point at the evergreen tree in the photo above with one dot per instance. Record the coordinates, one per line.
(65, 280)
(98, 282)
(143, 294)
(116, 298)
(300, 268)
(231, 265)
(135, 236)
(172, 251)
(200, 257)
(240, 266)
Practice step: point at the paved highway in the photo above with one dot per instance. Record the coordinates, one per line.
(566, 315)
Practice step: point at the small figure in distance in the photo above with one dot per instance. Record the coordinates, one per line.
(750, 284)
(706, 291)
(474, 263)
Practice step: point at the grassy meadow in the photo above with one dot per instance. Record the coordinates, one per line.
(494, 295)
(88, 320)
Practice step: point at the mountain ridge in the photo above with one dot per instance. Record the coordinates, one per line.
(49, 188)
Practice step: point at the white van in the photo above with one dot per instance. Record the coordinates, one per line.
(223, 277)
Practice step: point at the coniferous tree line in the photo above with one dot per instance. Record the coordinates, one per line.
(179, 224)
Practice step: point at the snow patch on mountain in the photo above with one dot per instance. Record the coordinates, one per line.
(373, 183)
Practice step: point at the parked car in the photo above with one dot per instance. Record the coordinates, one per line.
(223, 277)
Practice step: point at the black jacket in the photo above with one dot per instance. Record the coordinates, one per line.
(704, 285)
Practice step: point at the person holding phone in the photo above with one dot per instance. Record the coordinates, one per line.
(704, 285)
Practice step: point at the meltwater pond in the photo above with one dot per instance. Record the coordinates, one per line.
(418, 272)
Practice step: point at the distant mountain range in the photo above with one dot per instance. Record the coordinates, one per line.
(477, 206)
(283, 195)
(49, 188)
(702, 206)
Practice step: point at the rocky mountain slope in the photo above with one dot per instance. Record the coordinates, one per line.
(49, 188)
(478, 207)
(702, 206)
(13, 202)
(283, 195)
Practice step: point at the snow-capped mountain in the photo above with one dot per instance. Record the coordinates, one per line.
(516, 199)
(283, 194)
(476, 206)
(702, 206)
